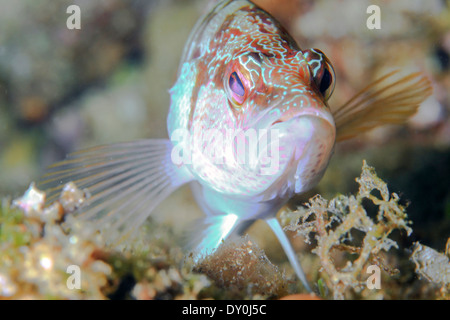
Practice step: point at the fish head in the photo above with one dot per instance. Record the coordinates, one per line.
(246, 87)
(285, 97)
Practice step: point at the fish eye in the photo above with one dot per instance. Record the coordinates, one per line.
(236, 87)
(326, 84)
(322, 71)
(243, 75)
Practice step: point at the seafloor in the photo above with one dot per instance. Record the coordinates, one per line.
(62, 90)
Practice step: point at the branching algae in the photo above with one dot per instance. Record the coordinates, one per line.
(331, 225)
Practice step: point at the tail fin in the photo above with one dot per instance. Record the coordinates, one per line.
(385, 101)
(125, 182)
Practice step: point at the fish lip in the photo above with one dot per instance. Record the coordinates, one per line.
(311, 112)
(319, 113)
(306, 126)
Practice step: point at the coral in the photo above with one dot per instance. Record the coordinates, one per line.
(333, 224)
(153, 262)
(37, 254)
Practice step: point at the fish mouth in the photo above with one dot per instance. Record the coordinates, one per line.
(309, 125)
(309, 112)
(307, 140)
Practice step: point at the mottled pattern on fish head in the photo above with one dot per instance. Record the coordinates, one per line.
(252, 91)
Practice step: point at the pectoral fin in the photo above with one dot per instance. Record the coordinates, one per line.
(125, 182)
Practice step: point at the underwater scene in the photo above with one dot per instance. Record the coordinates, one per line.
(210, 149)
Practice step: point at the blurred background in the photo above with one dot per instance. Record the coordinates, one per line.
(62, 90)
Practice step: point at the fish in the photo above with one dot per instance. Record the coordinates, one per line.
(249, 127)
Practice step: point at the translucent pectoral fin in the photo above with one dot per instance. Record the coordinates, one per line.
(124, 181)
(385, 101)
